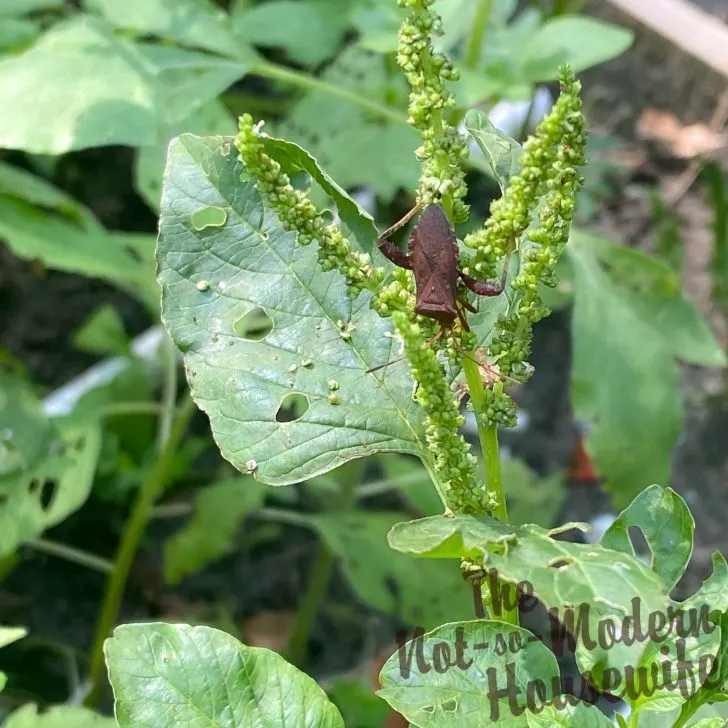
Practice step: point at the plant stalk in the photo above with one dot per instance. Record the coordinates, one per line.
(134, 529)
(321, 570)
(478, 33)
(491, 457)
(76, 556)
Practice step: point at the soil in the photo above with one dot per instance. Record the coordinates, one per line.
(39, 310)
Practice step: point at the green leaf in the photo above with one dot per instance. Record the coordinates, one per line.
(309, 32)
(357, 220)
(502, 153)
(209, 534)
(180, 675)
(212, 279)
(580, 41)
(10, 8)
(709, 723)
(101, 90)
(433, 689)
(195, 23)
(667, 525)
(570, 715)
(615, 350)
(17, 33)
(43, 482)
(425, 596)
(61, 716)
(103, 333)
(599, 583)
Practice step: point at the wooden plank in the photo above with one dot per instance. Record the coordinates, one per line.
(685, 25)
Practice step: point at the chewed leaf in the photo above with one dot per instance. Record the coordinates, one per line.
(451, 676)
(583, 582)
(293, 158)
(667, 525)
(218, 281)
(501, 151)
(185, 676)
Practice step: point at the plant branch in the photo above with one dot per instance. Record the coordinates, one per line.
(134, 529)
(305, 80)
(76, 556)
(478, 33)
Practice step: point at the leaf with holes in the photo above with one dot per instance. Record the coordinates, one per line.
(61, 716)
(584, 583)
(427, 596)
(569, 715)
(450, 677)
(667, 525)
(215, 278)
(55, 483)
(174, 674)
(209, 534)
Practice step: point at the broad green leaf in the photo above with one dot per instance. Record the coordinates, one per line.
(450, 677)
(569, 715)
(103, 333)
(615, 350)
(600, 584)
(343, 137)
(377, 27)
(102, 90)
(209, 534)
(45, 492)
(214, 277)
(668, 527)
(96, 93)
(580, 41)
(195, 23)
(426, 596)
(309, 32)
(10, 8)
(709, 723)
(415, 483)
(292, 157)
(502, 153)
(174, 675)
(60, 716)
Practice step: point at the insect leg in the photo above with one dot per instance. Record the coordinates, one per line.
(400, 223)
(490, 287)
(391, 251)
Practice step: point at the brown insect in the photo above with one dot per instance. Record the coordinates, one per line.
(433, 256)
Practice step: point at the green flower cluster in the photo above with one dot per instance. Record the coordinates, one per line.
(443, 149)
(297, 213)
(550, 170)
(453, 462)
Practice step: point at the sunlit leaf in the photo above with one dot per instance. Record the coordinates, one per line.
(61, 716)
(174, 674)
(502, 153)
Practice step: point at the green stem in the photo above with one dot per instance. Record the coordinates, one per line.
(304, 80)
(491, 453)
(134, 529)
(169, 393)
(76, 556)
(477, 35)
(321, 570)
(132, 408)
